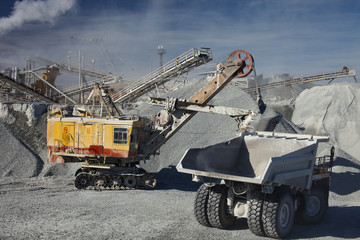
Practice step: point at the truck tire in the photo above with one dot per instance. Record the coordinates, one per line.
(278, 215)
(255, 213)
(217, 209)
(200, 205)
(313, 206)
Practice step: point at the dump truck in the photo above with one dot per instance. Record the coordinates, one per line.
(268, 178)
(112, 144)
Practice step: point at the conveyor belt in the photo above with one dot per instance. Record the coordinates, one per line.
(24, 90)
(302, 80)
(180, 65)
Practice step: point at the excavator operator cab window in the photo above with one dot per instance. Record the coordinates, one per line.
(120, 135)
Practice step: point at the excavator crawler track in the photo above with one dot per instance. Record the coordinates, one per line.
(98, 180)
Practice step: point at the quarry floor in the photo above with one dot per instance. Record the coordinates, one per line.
(52, 208)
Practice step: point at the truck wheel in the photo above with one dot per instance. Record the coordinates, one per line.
(313, 206)
(278, 215)
(200, 204)
(255, 212)
(217, 209)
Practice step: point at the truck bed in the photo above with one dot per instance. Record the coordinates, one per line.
(263, 158)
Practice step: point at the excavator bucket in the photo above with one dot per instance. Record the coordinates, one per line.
(265, 159)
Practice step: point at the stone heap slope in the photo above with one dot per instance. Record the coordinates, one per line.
(332, 110)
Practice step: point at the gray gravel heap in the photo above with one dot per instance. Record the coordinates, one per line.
(332, 110)
(16, 159)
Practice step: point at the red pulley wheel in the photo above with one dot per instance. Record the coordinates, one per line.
(246, 58)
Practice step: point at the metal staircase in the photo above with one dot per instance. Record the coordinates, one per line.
(177, 66)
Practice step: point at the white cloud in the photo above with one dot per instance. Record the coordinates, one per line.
(295, 38)
(34, 10)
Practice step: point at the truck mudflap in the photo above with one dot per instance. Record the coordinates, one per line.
(261, 158)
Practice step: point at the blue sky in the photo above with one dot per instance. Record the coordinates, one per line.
(296, 37)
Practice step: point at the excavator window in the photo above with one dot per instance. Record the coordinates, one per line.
(120, 135)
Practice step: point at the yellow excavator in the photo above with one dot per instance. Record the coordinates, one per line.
(111, 147)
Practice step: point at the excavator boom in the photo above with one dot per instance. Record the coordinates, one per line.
(239, 63)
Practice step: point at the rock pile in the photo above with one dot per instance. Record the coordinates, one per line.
(332, 110)
(17, 160)
(22, 139)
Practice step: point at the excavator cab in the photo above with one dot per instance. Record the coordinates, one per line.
(77, 138)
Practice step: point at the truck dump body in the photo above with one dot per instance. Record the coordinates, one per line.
(262, 158)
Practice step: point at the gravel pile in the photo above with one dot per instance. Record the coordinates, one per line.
(332, 110)
(17, 160)
(23, 139)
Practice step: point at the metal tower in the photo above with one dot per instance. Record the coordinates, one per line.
(161, 51)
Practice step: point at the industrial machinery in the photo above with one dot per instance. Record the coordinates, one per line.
(20, 88)
(49, 74)
(113, 146)
(268, 178)
(345, 72)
